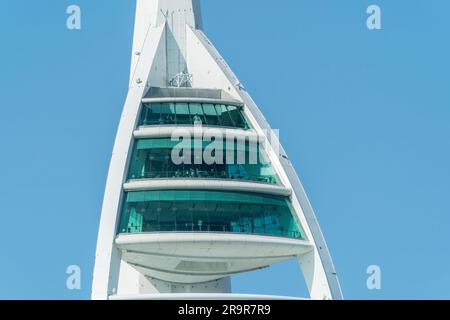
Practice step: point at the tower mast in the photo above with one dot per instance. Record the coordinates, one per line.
(180, 231)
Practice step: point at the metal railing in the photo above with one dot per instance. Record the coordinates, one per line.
(213, 228)
(202, 174)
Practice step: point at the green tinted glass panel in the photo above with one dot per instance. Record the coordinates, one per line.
(197, 114)
(152, 159)
(183, 115)
(209, 211)
(212, 119)
(224, 116)
(168, 113)
(236, 116)
(190, 113)
(152, 115)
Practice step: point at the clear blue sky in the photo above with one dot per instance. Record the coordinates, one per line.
(364, 116)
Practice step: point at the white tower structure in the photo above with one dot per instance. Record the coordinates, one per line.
(180, 230)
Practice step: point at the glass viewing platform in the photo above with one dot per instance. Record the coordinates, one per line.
(151, 159)
(209, 211)
(178, 114)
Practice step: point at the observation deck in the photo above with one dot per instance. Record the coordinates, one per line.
(196, 221)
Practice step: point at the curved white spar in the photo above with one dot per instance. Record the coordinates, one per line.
(168, 231)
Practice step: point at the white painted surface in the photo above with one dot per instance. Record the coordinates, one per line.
(193, 100)
(197, 296)
(210, 184)
(199, 257)
(155, 13)
(146, 132)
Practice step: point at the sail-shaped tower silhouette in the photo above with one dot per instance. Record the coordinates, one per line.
(180, 229)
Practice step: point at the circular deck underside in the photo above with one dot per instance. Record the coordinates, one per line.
(202, 257)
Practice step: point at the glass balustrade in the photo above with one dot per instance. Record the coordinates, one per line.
(180, 113)
(209, 211)
(154, 159)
